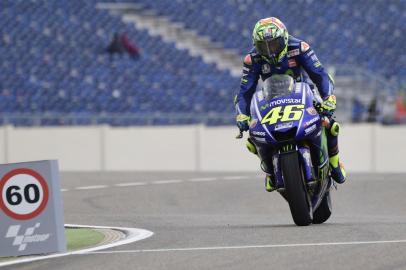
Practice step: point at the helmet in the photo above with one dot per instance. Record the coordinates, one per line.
(270, 38)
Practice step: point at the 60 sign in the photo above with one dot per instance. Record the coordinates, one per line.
(15, 198)
(24, 194)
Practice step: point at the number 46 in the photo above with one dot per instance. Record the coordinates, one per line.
(289, 113)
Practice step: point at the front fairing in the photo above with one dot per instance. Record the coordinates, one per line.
(291, 115)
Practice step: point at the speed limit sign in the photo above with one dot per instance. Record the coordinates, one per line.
(24, 194)
(31, 210)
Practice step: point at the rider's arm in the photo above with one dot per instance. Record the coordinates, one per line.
(315, 70)
(249, 81)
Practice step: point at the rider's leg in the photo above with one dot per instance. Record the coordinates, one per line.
(265, 155)
(337, 169)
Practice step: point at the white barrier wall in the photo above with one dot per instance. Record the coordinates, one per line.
(75, 148)
(364, 148)
(165, 148)
(220, 151)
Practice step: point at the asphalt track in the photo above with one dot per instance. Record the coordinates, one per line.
(219, 221)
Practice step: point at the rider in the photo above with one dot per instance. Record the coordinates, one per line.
(276, 52)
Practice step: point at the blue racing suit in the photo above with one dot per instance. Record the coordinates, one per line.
(300, 62)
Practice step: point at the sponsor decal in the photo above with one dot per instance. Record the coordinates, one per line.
(311, 111)
(310, 129)
(317, 64)
(265, 106)
(266, 68)
(304, 47)
(284, 125)
(259, 139)
(22, 240)
(294, 52)
(258, 133)
(310, 53)
(312, 121)
(298, 89)
(253, 123)
(285, 101)
(314, 58)
(292, 63)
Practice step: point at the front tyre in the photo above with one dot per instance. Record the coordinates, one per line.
(323, 212)
(295, 189)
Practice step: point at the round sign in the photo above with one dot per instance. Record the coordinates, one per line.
(24, 194)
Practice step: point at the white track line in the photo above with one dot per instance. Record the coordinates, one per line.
(207, 179)
(252, 247)
(133, 235)
(131, 184)
(234, 177)
(92, 187)
(161, 182)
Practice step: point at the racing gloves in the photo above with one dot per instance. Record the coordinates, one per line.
(328, 106)
(243, 122)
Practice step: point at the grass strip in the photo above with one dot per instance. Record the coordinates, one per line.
(76, 238)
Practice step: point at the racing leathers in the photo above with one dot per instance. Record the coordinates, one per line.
(303, 65)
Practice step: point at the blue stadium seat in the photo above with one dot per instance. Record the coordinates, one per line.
(53, 61)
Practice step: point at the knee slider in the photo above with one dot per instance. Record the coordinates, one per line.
(251, 146)
(335, 129)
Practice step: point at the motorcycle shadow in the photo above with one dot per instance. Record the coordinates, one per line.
(275, 226)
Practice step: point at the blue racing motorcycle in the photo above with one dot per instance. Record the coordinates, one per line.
(290, 139)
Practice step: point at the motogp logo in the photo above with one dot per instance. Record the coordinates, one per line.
(22, 240)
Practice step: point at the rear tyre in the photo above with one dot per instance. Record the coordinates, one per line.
(323, 212)
(295, 189)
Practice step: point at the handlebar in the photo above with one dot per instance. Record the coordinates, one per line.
(240, 135)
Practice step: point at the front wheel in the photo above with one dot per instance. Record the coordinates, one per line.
(323, 212)
(295, 189)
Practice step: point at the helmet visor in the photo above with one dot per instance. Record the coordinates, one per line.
(271, 47)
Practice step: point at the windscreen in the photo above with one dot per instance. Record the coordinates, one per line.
(277, 86)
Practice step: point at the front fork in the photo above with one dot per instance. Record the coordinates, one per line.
(305, 159)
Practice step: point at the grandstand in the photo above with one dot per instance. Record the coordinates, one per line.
(55, 70)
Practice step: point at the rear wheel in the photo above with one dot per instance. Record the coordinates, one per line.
(295, 189)
(323, 212)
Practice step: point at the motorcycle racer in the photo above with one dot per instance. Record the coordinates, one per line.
(277, 52)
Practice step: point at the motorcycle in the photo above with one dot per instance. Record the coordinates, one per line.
(290, 139)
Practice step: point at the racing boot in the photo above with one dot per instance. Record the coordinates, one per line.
(269, 184)
(337, 169)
